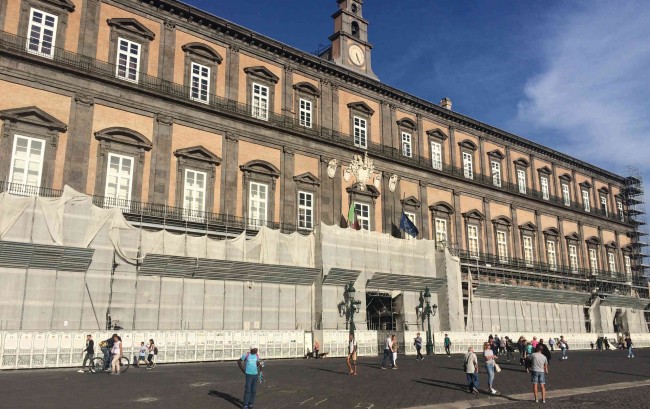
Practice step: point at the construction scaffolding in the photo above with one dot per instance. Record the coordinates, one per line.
(635, 212)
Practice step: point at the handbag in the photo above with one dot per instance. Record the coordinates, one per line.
(497, 368)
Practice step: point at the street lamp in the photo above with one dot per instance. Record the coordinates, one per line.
(349, 307)
(426, 311)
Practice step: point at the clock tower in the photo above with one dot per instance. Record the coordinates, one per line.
(350, 46)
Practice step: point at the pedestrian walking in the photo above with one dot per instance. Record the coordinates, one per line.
(250, 365)
(629, 345)
(606, 342)
(395, 348)
(153, 350)
(551, 343)
(447, 345)
(352, 355)
(545, 351)
(89, 350)
(497, 343)
(116, 351)
(142, 354)
(106, 347)
(509, 349)
(490, 364)
(534, 342)
(599, 344)
(471, 370)
(502, 346)
(418, 347)
(388, 353)
(316, 349)
(564, 347)
(538, 371)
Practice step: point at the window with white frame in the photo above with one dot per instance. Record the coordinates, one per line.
(521, 180)
(305, 210)
(611, 262)
(258, 199)
(573, 258)
(585, 200)
(407, 149)
(628, 265)
(194, 194)
(128, 60)
(119, 179)
(528, 250)
(496, 173)
(441, 232)
(41, 33)
(502, 246)
(566, 196)
(26, 165)
(360, 132)
(551, 254)
(362, 212)
(305, 113)
(411, 217)
(545, 191)
(472, 240)
(260, 101)
(200, 83)
(593, 260)
(468, 168)
(621, 215)
(436, 155)
(603, 205)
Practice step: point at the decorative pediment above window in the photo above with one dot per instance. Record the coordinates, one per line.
(611, 245)
(545, 170)
(566, 177)
(551, 232)
(496, 154)
(593, 240)
(124, 136)
(361, 107)
(522, 162)
(132, 26)
(307, 88)
(603, 190)
(473, 215)
(64, 4)
(502, 221)
(572, 237)
(203, 50)
(33, 116)
(437, 133)
(262, 73)
(585, 185)
(370, 190)
(307, 179)
(261, 167)
(467, 144)
(442, 208)
(411, 201)
(407, 123)
(198, 153)
(528, 227)
(627, 249)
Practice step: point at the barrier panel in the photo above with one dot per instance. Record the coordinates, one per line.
(335, 343)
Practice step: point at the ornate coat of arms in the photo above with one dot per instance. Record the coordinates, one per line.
(362, 169)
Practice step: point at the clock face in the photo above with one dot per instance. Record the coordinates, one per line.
(357, 56)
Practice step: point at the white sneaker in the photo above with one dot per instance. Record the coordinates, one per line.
(81, 371)
(494, 391)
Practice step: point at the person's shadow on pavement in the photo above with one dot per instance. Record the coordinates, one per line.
(227, 397)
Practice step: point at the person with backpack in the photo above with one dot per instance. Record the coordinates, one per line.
(250, 365)
(153, 350)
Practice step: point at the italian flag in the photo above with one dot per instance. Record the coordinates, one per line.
(352, 218)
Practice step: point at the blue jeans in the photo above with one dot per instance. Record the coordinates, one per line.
(387, 354)
(490, 371)
(107, 358)
(472, 381)
(630, 353)
(563, 352)
(251, 389)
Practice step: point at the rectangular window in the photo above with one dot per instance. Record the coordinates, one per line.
(502, 246)
(41, 33)
(573, 258)
(305, 210)
(545, 191)
(257, 205)
(128, 60)
(436, 155)
(305, 113)
(260, 103)
(411, 217)
(621, 215)
(496, 173)
(119, 179)
(441, 232)
(194, 195)
(26, 165)
(551, 255)
(585, 200)
(360, 132)
(528, 251)
(468, 168)
(362, 212)
(521, 180)
(406, 145)
(593, 261)
(200, 83)
(603, 205)
(611, 262)
(628, 265)
(566, 197)
(472, 240)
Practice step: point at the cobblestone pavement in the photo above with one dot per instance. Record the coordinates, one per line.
(324, 384)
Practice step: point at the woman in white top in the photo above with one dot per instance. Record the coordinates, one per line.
(117, 354)
(395, 348)
(490, 360)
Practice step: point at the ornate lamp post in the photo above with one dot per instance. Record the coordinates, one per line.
(426, 311)
(349, 307)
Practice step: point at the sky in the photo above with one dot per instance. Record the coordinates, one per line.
(573, 75)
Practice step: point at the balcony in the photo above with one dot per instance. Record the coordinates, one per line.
(63, 59)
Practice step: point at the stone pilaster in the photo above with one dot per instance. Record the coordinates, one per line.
(288, 192)
(326, 107)
(509, 165)
(452, 147)
(230, 175)
(386, 126)
(556, 182)
(287, 92)
(603, 251)
(581, 247)
(458, 219)
(481, 158)
(232, 73)
(167, 50)
(515, 232)
(77, 155)
(424, 212)
(421, 147)
(488, 227)
(539, 237)
(336, 125)
(564, 254)
(89, 28)
(533, 172)
(161, 160)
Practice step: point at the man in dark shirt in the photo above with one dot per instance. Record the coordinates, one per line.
(89, 351)
(106, 347)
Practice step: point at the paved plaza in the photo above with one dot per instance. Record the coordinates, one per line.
(437, 382)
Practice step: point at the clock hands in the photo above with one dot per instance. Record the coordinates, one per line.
(358, 58)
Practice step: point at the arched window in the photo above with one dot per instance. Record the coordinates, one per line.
(355, 29)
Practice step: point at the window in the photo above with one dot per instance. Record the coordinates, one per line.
(628, 265)
(41, 33)
(200, 83)
(194, 196)
(502, 246)
(411, 217)
(593, 261)
(305, 113)
(128, 60)
(496, 173)
(119, 179)
(406, 145)
(257, 204)
(26, 165)
(468, 168)
(611, 262)
(362, 212)
(566, 196)
(621, 215)
(528, 251)
(441, 232)
(305, 210)
(436, 155)
(585, 200)
(360, 129)
(472, 240)
(551, 255)
(573, 258)
(545, 191)
(603, 205)
(521, 180)
(260, 101)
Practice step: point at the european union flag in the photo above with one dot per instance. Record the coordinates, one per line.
(407, 226)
